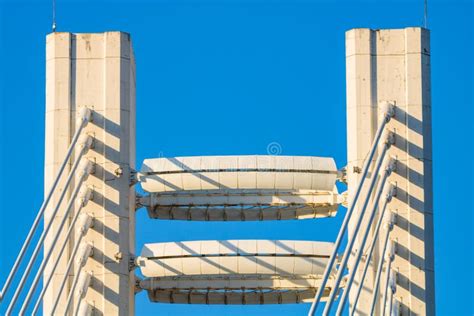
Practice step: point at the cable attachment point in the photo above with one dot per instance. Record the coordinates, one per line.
(393, 281)
(142, 201)
(388, 108)
(134, 177)
(86, 115)
(85, 195)
(85, 251)
(131, 263)
(85, 142)
(390, 219)
(390, 140)
(83, 284)
(391, 166)
(138, 288)
(392, 251)
(387, 139)
(86, 167)
(85, 222)
(390, 191)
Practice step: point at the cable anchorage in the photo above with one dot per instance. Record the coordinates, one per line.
(388, 114)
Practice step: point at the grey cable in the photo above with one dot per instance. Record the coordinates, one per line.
(357, 260)
(365, 169)
(352, 237)
(63, 247)
(367, 261)
(55, 240)
(379, 273)
(86, 116)
(66, 274)
(43, 234)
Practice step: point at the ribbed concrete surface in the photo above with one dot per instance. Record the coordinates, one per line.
(238, 172)
(233, 271)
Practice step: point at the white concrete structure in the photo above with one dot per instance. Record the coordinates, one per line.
(90, 221)
(95, 71)
(394, 66)
(233, 271)
(238, 172)
(240, 188)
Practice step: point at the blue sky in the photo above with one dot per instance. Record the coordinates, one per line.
(230, 77)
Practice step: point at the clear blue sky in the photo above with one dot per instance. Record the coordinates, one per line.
(229, 77)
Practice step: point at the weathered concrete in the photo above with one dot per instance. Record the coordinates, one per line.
(96, 71)
(394, 65)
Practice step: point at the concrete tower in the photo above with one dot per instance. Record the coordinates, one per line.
(95, 71)
(394, 66)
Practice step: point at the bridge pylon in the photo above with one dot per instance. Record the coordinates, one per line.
(96, 71)
(88, 238)
(393, 66)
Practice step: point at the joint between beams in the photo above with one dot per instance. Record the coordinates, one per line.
(142, 201)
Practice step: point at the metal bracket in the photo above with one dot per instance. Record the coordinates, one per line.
(142, 201)
(131, 263)
(138, 288)
(342, 175)
(133, 177)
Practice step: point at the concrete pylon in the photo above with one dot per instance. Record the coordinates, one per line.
(394, 66)
(95, 71)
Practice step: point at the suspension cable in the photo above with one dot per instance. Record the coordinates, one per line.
(352, 237)
(371, 251)
(81, 260)
(86, 169)
(86, 116)
(389, 257)
(389, 283)
(83, 200)
(395, 307)
(365, 236)
(83, 279)
(389, 113)
(84, 309)
(390, 303)
(85, 223)
(82, 292)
